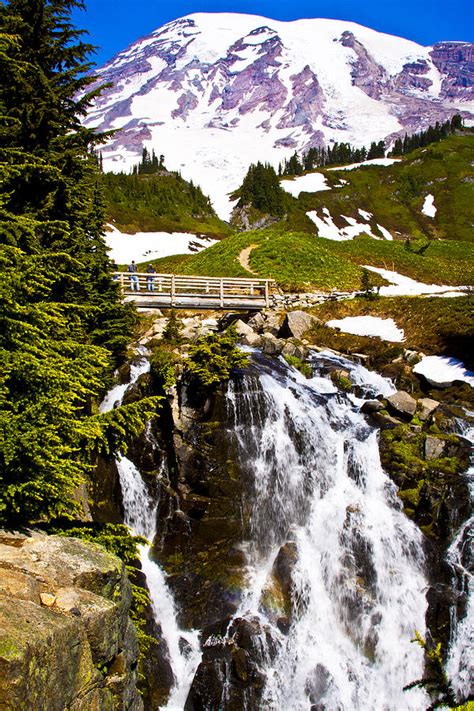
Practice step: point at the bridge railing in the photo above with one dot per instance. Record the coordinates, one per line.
(222, 290)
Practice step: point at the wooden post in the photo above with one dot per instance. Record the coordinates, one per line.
(122, 282)
(221, 293)
(267, 296)
(173, 290)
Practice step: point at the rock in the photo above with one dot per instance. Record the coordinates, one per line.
(47, 599)
(296, 324)
(271, 345)
(272, 323)
(371, 406)
(295, 350)
(411, 357)
(257, 321)
(64, 607)
(426, 407)
(231, 674)
(284, 565)
(402, 404)
(384, 421)
(434, 447)
(246, 334)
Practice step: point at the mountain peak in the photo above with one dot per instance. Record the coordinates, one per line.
(217, 91)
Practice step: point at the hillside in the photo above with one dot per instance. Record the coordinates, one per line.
(393, 195)
(163, 202)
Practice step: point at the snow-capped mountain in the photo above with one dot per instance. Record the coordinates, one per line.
(215, 92)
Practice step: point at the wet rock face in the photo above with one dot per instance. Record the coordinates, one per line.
(202, 514)
(66, 641)
(231, 674)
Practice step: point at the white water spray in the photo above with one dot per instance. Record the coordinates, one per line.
(358, 583)
(460, 665)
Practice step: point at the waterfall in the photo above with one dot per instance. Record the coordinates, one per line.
(358, 582)
(140, 516)
(460, 665)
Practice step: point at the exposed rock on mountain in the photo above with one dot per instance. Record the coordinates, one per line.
(216, 92)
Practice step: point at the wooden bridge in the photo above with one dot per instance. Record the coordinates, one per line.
(150, 290)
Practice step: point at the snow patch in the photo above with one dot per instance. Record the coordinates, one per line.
(384, 328)
(404, 286)
(143, 246)
(309, 183)
(385, 233)
(429, 208)
(365, 215)
(443, 371)
(327, 228)
(373, 161)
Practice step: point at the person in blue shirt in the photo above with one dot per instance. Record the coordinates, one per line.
(150, 280)
(134, 282)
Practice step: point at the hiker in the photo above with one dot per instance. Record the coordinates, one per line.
(150, 280)
(134, 281)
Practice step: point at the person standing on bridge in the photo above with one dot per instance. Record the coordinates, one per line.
(150, 280)
(134, 281)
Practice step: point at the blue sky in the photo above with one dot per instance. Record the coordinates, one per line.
(114, 24)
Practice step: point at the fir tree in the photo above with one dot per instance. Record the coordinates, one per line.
(62, 323)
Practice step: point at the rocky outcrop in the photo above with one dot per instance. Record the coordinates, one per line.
(230, 675)
(456, 61)
(66, 640)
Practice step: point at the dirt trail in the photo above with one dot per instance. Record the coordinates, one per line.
(244, 258)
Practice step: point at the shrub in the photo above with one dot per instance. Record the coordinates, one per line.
(212, 359)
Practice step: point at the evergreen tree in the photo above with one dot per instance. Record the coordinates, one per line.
(61, 321)
(262, 190)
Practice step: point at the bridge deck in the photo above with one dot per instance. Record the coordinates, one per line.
(194, 292)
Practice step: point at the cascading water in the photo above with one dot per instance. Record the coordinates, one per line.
(358, 583)
(460, 666)
(140, 516)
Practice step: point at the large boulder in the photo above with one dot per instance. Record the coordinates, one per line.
(66, 640)
(246, 334)
(231, 674)
(271, 345)
(402, 404)
(296, 324)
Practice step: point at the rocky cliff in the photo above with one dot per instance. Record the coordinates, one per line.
(66, 640)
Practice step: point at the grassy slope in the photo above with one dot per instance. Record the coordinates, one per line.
(299, 261)
(395, 194)
(296, 260)
(159, 203)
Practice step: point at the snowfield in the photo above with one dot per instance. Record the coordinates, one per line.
(143, 246)
(384, 328)
(443, 371)
(404, 286)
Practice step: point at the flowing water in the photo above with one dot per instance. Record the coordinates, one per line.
(460, 666)
(140, 515)
(359, 586)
